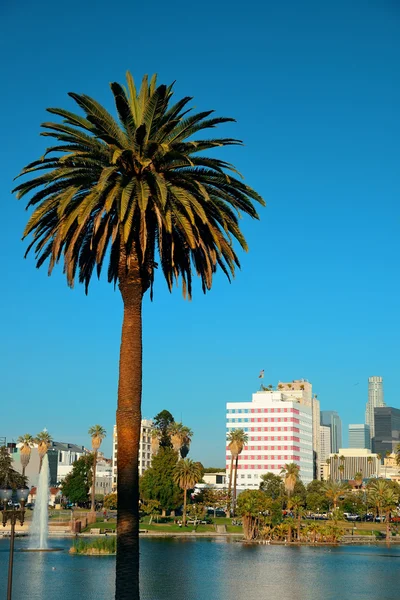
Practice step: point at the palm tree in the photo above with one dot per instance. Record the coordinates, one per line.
(290, 474)
(27, 442)
(186, 474)
(43, 441)
(97, 433)
(341, 471)
(333, 491)
(358, 479)
(136, 194)
(297, 505)
(237, 440)
(369, 462)
(384, 500)
(181, 436)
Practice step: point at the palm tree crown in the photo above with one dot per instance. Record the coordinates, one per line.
(43, 440)
(237, 439)
(138, 187)
(27, 442)
(97, 433)
(290, 474)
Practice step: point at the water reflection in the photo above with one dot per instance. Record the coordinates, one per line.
(200, 569)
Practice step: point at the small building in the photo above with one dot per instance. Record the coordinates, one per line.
(353, 460)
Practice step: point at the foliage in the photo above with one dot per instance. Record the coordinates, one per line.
(252, 505)
(213, 498)
(317, 501)
(150, 507)
(290, 474)
(110, 501)
(161, 426)
(187, 473)
(77, 483)
(214, 470)
(102, 545)
(43, 440)
(97, 433)
(335, 491)
(272, 485)
(157, 483)
(9, 477)
(237, 439)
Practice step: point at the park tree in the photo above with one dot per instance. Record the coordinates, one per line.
(97, 433)
(252, 506)
(110, 501)
(186, 474)
(9, 477)
(135, 194)
(272, 485)
(27, 442)
(77, 483)
(157, 483)
(161, 434)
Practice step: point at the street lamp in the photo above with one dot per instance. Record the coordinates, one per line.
(13, 515)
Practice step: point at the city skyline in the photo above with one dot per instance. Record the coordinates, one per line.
(217, 460)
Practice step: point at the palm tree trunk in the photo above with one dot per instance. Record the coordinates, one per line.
(93, 506)
(40, 463)
(234, 485)
(184, 506)
(128, 431)
(298, 527)
(23, 471)
(230, 488)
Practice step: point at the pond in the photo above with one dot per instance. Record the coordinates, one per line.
(210, 569)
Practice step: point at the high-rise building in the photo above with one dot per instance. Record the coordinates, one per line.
(325, 451)
(301, 391)
(279, 429)
(387, 429)
(145, 452)
(359, 436)
(330, 418)
(375, 399)
(326, 446)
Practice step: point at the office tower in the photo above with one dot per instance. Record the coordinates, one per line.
(359, 436)
(375, 399)
(279, 429)
(387, 429)
(330, 418)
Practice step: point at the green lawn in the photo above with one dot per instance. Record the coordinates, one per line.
(169, 526)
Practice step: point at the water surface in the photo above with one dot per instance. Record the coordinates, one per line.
(204, 569)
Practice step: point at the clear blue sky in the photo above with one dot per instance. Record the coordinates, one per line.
(315, 89)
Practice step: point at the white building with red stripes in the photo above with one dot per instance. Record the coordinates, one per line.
(280, 431)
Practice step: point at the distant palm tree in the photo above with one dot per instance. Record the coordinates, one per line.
(181, 436)
(397, 453)
(237, 439)
(334, 491)
(186, 474)
(135, 194)
(369, 463)
(290, 473)
(341, 471)
(28, 442)
(384, 499)
(43, 440)
(297, 506)
(97, 433)
(358, 479)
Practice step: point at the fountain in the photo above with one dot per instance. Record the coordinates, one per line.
(40, 523)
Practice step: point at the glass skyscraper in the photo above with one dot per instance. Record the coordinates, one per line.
(359, 436)
(330, 418)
